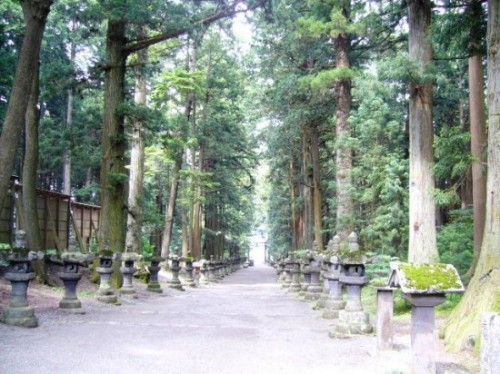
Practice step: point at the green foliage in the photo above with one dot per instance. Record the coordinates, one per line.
(456, 241)
(148, 249)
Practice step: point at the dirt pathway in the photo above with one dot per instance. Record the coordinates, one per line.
(243, 324)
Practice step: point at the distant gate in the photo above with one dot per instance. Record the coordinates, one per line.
(57, 217)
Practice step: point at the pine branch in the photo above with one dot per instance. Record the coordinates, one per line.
(229, 11)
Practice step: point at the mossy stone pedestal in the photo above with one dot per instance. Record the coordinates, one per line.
(212, 276)
(105, 293)
(175, 283)
(424, 286)
(154, 269)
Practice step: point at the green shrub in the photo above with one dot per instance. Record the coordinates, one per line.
(456, 241)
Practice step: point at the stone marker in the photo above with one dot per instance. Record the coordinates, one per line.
(424, 286)
(128, 270)
(352, 320)
(105, 293)
(188, 267)
(20, 273)
(335, 303)
(385, 315)
(295, 271)
(154, 269)
(175, 283)
(324, 266)
(315, 288)
(490, 343)
(305, 268)
(204, 273)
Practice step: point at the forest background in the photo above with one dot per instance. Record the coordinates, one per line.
(153, 110)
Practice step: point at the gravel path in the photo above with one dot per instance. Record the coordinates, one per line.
(244, 324)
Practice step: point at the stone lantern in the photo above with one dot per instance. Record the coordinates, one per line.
(128, 270)
(295, 271)
(335, 302)
(175, 283)
(352, 320)
(105, 293)
(188, 267)
(20, 273)
(72, 262)
(204, 272)
(424, 286)
(315, 288)
(212, 276)
(324, 267)
(305, 268)
(154, 269)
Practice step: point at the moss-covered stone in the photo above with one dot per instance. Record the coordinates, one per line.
(348, 257)
(429, 278)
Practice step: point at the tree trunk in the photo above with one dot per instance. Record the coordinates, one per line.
(136, 178)
(113, 172)
(69, 124)
(294, 194)
(317, 191)
(30, 165)
(169, 218)
(343, 157)
(307, 188)
(477, 131)
(483, 291)
(35, 17)
(422, 245)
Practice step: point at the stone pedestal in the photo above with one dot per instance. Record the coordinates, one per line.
(128, 272)
(352, 320)
(175, 283)
(490, 343)
(19, 312)
(423, 331)
(295, 271)
(189, 275)
(154, 269)
(315, 288)
(306, 272)
(204, 274)
(288, 276)
(212, 276)
(385, 314)
(321, 304)
(334, 304)
(70, 300)
(105, 293)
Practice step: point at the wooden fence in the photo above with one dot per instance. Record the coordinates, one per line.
(58, 216)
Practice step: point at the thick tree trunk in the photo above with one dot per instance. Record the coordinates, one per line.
(422, 245)
(294, 194)
(169, 218)
(113, 171)
(483, 291)
(30, 165)
(69, 124)
(136, 178)
(343, 157)
(35, 17)
(317, 191)
(114, 178)
(477, 131)
(307, 188)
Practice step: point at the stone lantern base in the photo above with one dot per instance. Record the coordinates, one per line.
(154, 284)
(70, 302)
(351, 323)
(105, 293)
(19, 313)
